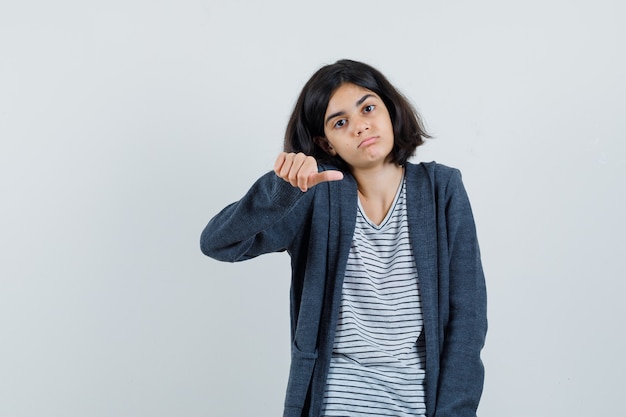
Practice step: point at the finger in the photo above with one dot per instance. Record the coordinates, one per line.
(284, 170)
(298, 169)
(280, 160)
(309, 166)
(324, 176)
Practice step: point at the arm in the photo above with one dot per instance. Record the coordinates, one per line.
(264, 220)
(268, 217)
(461, 369)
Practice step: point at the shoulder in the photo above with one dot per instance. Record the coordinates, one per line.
(439, 175)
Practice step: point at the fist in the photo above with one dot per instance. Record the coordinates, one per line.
(300, 170)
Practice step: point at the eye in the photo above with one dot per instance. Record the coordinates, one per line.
(369, 108)
(340, 123)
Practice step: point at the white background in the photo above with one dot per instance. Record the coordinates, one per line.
(125, 125)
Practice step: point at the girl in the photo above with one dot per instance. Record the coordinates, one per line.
(388, 300)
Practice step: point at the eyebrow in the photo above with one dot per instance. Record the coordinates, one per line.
(358, 103)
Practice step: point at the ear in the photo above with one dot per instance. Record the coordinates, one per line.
(323, 143)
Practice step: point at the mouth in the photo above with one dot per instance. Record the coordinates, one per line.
(367, 141)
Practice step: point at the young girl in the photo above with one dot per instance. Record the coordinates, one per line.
(388, 301)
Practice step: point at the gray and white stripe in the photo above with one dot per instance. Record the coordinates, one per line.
(377, 367)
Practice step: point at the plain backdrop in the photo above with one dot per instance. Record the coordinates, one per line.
(126, 125)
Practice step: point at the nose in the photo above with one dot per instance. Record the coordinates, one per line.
(360, 125)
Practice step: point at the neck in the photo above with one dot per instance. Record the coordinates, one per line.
(379, 183)
(377, 189)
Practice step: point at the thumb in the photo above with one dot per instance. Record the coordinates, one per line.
(324, 176)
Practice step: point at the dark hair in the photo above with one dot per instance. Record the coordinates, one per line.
(307, 120)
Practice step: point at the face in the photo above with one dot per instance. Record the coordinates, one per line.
(358, 127)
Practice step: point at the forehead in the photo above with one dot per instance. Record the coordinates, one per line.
(346, 96)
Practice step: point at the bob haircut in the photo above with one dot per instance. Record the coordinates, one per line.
(306, 123)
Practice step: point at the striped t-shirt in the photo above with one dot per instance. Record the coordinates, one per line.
(377, 365)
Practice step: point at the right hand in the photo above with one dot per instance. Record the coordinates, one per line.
(301, 171)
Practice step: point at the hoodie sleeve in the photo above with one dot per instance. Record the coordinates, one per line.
(266, 219)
